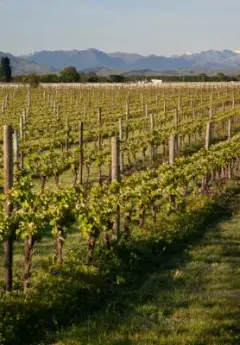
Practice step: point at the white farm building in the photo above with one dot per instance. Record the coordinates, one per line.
(156, 81)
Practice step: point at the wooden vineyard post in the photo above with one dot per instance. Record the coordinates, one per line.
(54, 106)
(99, 128)
(99, 143)
(23, 119)
(191, 101)
(209, 130)
(152, 146)
(67, 135)
(208, 135)
(8, 183)
(207, 145)
(223, 107)
(233, 102)
(116, 177)
(229, 168)
(58, 111)
(84, 112)
(210, 119)
(229, 129)
(164, 107)
(233, 108)
(127, 117)
(146, 111)
(172, 141)
(146, 116)
(179, 103)
(194, 134)
(24, 116)
(81, 153)
(176, 126)
(29, 98)
(121, 151)
(22, 131)
(223, 122)
(142, 101)
(16, 158)
(211, 98)
(172, 149)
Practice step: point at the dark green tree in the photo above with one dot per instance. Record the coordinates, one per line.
(69, 75)
(203, 77)
(5, 70)
(222, 77)
(116, 78)
(49, 78)
(92, 77)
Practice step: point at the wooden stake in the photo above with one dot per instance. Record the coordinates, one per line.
(176, 127)
(229, 129)
(152, 146)
(99, 128)
(16, 158)
(146, 111)
(127, 117)
(8, 183)
(67, 134)
(172, 149)
(22, 136)
(179, 103)
(121, 141)
(81, 152)
(208, 135)
(116, 177)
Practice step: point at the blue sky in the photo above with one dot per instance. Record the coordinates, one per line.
(144, 26)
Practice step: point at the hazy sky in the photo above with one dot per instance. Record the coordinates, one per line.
(144, 26)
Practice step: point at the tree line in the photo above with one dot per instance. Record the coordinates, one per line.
(71, 75)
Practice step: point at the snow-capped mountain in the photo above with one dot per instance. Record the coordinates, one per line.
(214, 60)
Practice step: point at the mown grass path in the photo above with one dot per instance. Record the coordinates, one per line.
(194, 299)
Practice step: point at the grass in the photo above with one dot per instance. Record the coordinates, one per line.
(193, 299)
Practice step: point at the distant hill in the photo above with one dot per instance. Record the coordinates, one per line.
(210, 61)
(83, 59)
(127, 57)
(101, 71)
(22, 66)
(123, 62)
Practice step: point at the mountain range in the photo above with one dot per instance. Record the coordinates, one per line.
(21, 65)
(227, 61)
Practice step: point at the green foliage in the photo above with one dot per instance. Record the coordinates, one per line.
(61, 206)
(93, 77)
(69, 75)
(116, 78)
(159, 193)
(49, 78)
(32, 79)
(97, 212)
(5, 70)
(72, 294)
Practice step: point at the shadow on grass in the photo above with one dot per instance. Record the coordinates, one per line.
(73, 293)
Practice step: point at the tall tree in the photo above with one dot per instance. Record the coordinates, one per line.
(5, 70)
(69, 75)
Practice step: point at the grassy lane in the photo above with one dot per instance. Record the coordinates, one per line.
(193, 300)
